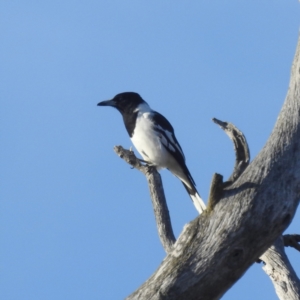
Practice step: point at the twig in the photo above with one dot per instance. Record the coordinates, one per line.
(242, 153)
(161, 212)
(242, 159)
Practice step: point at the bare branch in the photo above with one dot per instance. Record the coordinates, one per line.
(217, 248)
(161, 212)
(281, 272)
(241, 149)
(242, 159)
(216, 191)
(162, 216)
(130, 158)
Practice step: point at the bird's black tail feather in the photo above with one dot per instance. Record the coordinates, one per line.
(197, 200)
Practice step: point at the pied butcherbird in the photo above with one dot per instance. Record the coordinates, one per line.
(154, 138)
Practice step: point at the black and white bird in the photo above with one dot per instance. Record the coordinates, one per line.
(153, 137)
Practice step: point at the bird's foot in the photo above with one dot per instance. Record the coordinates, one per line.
(144, 161)
(150, 167)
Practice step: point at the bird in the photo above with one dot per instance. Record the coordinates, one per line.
(154, 138)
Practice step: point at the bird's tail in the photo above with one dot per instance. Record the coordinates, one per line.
(197, 200)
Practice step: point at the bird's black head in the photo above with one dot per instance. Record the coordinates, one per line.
(125, 103)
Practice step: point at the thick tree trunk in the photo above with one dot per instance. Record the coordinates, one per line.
(217, 248)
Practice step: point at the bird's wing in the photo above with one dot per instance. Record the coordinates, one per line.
(163, 127)
(168, 139)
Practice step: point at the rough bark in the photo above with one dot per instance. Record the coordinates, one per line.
(242, 159)
(241, 149)
(215, 249)
(281, 272)
(161, 212)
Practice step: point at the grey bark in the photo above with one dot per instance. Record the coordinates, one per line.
(281, 272)
(241, 149)
(161, 212)
(215, 249)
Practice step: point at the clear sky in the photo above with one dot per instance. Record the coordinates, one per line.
(75, 221)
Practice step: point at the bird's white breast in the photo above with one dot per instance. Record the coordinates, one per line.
(148, 141)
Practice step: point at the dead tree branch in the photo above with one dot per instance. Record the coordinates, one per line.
(276, 263)
(161, 212)
(159, 203)
(215, 250)
(281, 272)
(215, 192)
(242, 159)
(241, 149)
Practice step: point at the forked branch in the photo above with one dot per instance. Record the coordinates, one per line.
(217, 248)
(161, 212)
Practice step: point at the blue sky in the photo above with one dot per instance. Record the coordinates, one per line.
(75, 221)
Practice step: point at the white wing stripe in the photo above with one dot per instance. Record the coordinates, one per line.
(168, 139)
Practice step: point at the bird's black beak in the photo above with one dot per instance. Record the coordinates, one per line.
(107, 103)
